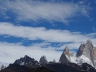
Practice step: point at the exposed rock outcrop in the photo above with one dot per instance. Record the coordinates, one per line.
(65, 57)
(54, 61)
(86, 54)
(94, 56)
(87, 50)
(43, 60)
(26, 60)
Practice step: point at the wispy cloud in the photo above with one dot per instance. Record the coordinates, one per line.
(93, 28)
(36, 10)
(35, 33)
(41, 33)
(9, 52)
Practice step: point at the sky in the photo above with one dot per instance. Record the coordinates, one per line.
(44, 27)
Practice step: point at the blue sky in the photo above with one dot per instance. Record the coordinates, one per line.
(44, 27)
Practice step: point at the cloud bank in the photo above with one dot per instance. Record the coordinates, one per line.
(50, 11)
(9, 52)
(35, 33)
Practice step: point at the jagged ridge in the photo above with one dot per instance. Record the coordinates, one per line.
(26, 60)
(86, 54)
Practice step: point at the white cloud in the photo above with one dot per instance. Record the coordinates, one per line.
(50, 35)
(9, 52)
(50, 11)
(35, 33)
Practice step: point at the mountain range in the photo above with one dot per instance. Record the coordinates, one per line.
(85, 54)
(83, 61)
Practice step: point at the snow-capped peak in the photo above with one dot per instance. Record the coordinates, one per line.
(26, 60)
(84, 59)
(86, 54)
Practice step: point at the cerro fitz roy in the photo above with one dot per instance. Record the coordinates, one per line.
(85, 54)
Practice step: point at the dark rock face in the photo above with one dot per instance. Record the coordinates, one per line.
(65, 57)
(27, 61)
(94, 56)
(85, 49)
(88, 67)
(89, 51)
(43, 60)
(80, 51)
(52, 62)
(39, 69)
(66, 51)
(86, 54)
(70, 67)
(56, 67)
(15, 68)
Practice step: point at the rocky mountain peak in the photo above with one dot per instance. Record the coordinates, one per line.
(72, 54)
(89, 42)
(65, 57)
(54, 61)
(43, 60)
(66, 50)
(26, 56)
(26, 60)
(85, 49)
(85, 54)
(80, 50)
